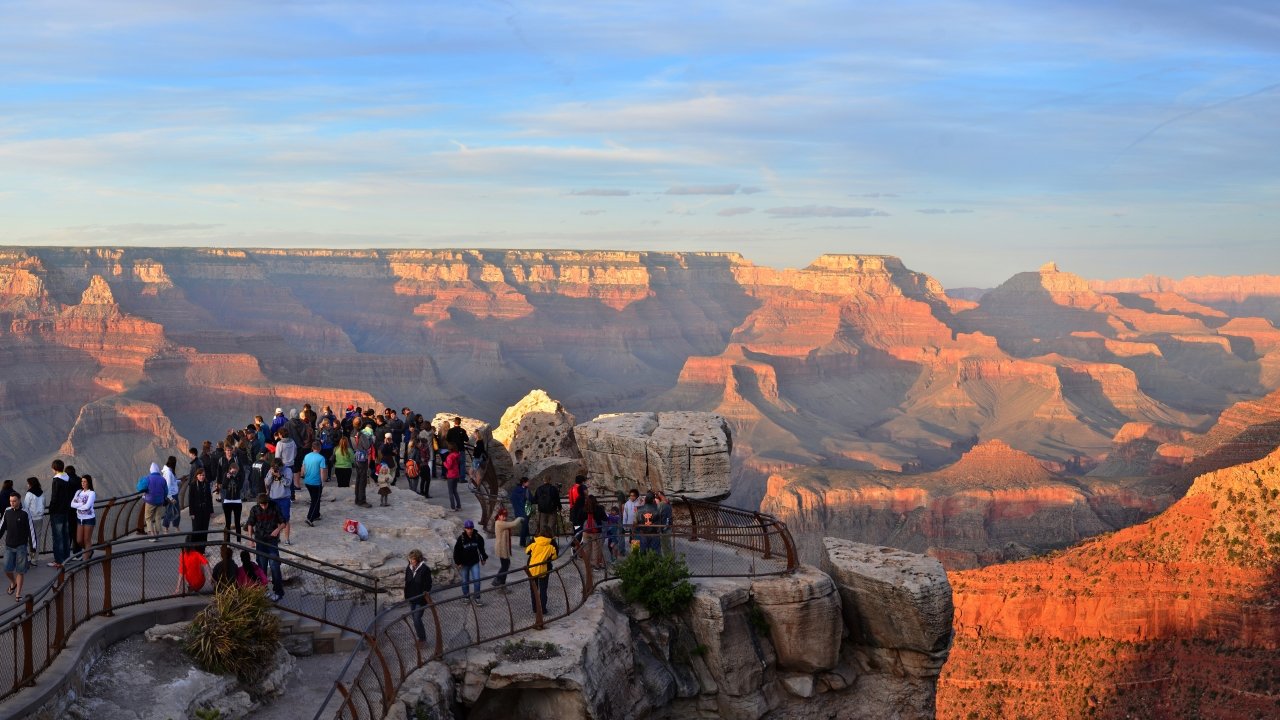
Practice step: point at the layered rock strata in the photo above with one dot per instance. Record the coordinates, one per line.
(680, 453)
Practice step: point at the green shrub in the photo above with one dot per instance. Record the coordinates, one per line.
(659, 582)
(237, 633)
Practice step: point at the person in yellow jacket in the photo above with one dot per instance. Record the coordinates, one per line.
(541, 553)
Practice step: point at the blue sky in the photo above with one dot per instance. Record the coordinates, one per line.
(972, 139)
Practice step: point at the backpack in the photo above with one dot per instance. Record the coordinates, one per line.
(548, 499)
(411, 468)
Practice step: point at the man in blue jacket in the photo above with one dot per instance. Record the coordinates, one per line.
(519, 502)
(156, 494)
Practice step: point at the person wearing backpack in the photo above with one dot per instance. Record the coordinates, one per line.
(412, 470)
(364, 452)
(547, 500)
(541, 553)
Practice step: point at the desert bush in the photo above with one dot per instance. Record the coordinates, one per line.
(237, 633)
(659, 582)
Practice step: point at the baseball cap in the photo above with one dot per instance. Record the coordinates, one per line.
(279, 411)
(469, 524)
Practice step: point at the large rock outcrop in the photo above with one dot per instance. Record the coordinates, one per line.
(745, 649)
(535, 437)
(680, 453)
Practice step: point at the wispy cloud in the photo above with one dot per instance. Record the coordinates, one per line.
(601, 192)
(703, 190)
(828, 211)
(731, 212)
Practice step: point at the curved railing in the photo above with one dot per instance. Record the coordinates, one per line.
(131, 572)
(714, 540)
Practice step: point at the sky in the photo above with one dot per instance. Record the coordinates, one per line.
(972, 139)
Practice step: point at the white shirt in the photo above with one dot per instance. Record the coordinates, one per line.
(34, 505)
(629, 512)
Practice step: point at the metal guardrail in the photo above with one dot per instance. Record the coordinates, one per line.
(132, 572)
(714, 540)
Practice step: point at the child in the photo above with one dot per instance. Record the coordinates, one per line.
(385, 475)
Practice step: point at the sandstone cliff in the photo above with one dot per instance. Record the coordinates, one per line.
(1173, 617)
(994, 505)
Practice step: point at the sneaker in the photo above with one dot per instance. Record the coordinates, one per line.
(272, 596)
(309, 523)
(466, 599)
(477, 602)
(55, 565)
(153, 539)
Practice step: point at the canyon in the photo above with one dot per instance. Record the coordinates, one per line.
(849, 386)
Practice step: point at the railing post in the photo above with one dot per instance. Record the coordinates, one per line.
(435, 620)
(59, 632)
(765, 532)
(346, 698)
(106, 581)
(388, 690)
(102, 525)
(693, 524)
(28, 666)
(588, 583)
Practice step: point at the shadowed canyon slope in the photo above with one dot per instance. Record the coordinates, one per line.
(854, 363)
(1175, 617)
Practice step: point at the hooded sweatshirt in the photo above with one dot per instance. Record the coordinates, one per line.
(541, 552)
(157, 488)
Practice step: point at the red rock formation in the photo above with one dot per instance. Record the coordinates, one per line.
(995, 504)
(1173, 616)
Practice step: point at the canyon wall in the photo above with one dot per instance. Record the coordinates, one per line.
(854, 362)
(1175, 617)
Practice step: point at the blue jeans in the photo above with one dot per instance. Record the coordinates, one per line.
(454, 500)
(540, 583)
(60, 529)
(524, 530)
(649, 542)
(417, 607)
(269, 557)
(471, 579)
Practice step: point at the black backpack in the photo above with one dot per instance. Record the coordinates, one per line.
(548, 499)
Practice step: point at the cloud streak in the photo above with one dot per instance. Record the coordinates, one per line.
(824, 211)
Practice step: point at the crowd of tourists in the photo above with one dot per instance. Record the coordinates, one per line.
(255, 474)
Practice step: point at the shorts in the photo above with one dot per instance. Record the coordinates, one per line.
(88, 521)
(15, 559)
(283, 504)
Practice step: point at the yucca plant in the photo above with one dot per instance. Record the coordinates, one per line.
(237, 632)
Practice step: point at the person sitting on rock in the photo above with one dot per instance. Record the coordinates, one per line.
(250, 573)
(224, 573)
(193, 567)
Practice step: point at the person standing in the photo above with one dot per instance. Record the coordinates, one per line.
(200, 506)
(265, 524)
(469, 556)
(648, 524)
(87, 518)
(664, 521)
(417, 583)
(19, 534)
(364, 458)
(33, 503)
(343, 460)
(547, 499)
(154, 499)
(60, 514)
(172, 518)
(629, 519)
(314, 473)
(278, 493)
(231, 491)
(521, 502)
(502, 528)
(453, 475)
(541, 553)
(457, 441)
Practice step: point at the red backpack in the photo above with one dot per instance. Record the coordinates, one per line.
(411, 468)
